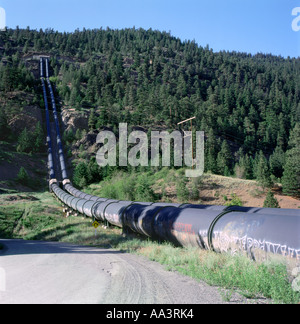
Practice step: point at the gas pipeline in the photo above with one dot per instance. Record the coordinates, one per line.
(260, 233)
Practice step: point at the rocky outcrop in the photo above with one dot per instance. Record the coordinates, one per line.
(28, 117)
(74, 120)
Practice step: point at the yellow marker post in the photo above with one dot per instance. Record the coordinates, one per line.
(96, 224)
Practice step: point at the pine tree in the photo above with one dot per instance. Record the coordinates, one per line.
(103, 119)
(271, 201)
(291, 174)
(211, 149)
(4, 130)
(23, 177)
(277, 161)
(243, 168)
(80, 176)
(262, 171)
(92, 120)
(7, 79)
(224, 159)
(74, 97)
(25, 144)
(94, 171)
(38, 138)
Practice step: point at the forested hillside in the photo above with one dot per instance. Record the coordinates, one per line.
(248, 106)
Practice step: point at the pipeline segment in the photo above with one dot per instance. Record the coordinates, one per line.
(49, 143)
(261, 233)
(257, 234)
(55, 115)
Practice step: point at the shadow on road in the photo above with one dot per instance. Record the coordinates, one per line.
(21, 247)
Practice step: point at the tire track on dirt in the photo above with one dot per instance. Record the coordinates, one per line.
(61, 273)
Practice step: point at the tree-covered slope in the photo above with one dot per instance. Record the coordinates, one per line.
(246, 104)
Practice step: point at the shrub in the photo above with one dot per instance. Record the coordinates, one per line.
(23, 177)
(144, 192)
(182, 190)
(271, 201)
(235, 201)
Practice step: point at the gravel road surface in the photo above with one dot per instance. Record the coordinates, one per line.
(34, 272)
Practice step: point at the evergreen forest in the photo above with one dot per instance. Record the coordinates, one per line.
(247, 105)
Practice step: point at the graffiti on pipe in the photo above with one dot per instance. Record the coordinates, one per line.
(224, 243)
(182, 227)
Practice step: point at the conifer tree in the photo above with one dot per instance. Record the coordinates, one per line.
(38, 138)
(24, 142)
(23, 177)
(80, 176)
(224, 159)
(243, 168)
(211, 149)
(92, 120)
(262, 171)
(291, 174)
(4, 130)
(277, 161)
(271, 201)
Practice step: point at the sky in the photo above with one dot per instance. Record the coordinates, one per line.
(252, 26)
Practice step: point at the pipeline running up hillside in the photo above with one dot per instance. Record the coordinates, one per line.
(261, 233)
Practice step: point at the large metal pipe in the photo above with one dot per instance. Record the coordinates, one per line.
(261, 233)
(99, 209)
(185, 227)
(58, 136)
(41, 68)
(139, 219)
(266, 211)
(114, 211)
(77, 193)
(88, 207)
(49, 143)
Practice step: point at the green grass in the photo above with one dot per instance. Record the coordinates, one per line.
(253, 280)
(38, 216)
(25, 213)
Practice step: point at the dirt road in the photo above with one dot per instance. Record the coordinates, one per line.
(33, 272)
